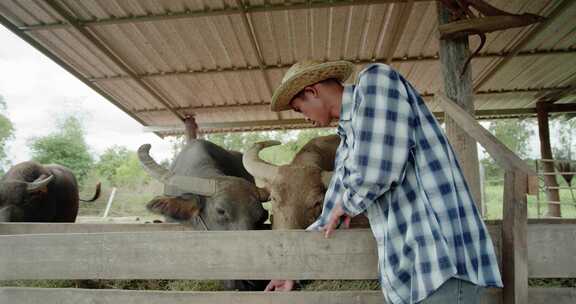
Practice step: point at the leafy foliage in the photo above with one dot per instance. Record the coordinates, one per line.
(292, 141)
(515, 134)
(566, 131)
(65, 146)
(6, 134)
(121, 167)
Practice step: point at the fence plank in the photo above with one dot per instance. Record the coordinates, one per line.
(105, 296)
(505, 157)
(551, 251)
(42, 228)
(73, 296)
(294, 254)
(260, 253)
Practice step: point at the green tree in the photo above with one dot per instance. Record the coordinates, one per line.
(130, 173)
(292, 142)
(121, 167)
(566, 146)
(515, 134)
(6, 134)
(66, 146)
(111, 160)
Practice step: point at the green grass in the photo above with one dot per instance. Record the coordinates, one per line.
(495, 193)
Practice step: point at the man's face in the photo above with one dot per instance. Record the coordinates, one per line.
(313, 105)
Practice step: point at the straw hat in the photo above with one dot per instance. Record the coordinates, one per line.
(306, 73)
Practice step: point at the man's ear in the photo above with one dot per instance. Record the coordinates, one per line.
(176, 207)
(312, 90)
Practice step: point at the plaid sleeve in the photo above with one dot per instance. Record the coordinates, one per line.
(382, 130)
(333, 193)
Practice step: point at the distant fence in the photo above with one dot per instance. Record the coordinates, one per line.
(564, 171)
(169, 251)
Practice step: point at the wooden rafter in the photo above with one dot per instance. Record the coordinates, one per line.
(260, 125)
(255, 105)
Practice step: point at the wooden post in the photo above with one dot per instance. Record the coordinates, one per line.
(109, 204)
(453, 55)
(514, 238)
(547, 166)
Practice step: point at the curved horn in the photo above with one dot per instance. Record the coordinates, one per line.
(39, 183)
(255, 165)
(196, 185)
(327, 177)
(150, 165)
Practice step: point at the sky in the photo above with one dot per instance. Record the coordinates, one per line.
(38, 92)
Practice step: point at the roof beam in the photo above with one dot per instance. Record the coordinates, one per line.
(265, 105)
(245, 126)
(98, 44)
(538, 28)
(431, 58)
(226, 11)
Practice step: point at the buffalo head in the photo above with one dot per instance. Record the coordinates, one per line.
(213, 203)
(297, 189)
(22, 201)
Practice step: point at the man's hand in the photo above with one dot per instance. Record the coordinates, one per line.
(280, 285)
(335, 216)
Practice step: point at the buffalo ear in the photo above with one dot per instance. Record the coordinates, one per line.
(174, 207)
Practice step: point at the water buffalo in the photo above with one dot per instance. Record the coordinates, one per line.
(208, 188)
(32, 192)
(297, 189)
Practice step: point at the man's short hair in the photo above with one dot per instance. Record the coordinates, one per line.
(325, 81)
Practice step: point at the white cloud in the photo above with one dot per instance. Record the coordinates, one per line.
(37, 91)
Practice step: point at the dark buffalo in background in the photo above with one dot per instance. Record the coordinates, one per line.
(32, 192)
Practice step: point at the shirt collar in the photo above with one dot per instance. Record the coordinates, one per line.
(347, 102)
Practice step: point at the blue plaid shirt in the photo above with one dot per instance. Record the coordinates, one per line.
(395, 164)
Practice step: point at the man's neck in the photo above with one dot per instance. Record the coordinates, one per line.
(336, 103)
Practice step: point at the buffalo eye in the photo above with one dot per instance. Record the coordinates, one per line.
(221, 211)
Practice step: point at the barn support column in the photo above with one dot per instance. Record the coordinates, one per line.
(514, 238)
(552, 194)
(453, 55)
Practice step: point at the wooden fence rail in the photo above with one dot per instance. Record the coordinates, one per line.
(169, 252)
(291, 254)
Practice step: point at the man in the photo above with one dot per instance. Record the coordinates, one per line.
(395, 164)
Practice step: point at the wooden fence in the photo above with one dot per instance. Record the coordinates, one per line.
(526, 249)
(168, 251)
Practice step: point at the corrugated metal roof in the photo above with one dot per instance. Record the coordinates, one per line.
(161, 59)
